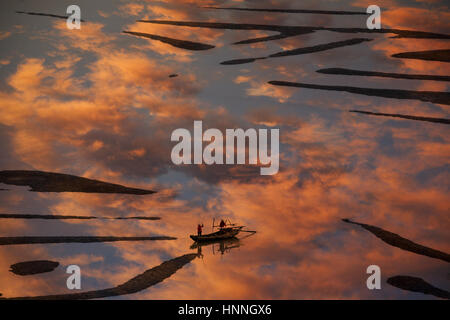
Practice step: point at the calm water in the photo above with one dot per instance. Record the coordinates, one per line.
(100, 104)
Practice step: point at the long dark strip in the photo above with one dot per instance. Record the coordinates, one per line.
(183, 44)
(295, 30)
(300, 51)
(5, 241)
(320, 47)
(273, 37)
(41, 181)
(404, 116)
(431, 55)
(397, 241)
(67, 217)
(45, 15)
(352, 72)
(415, 284)
(291, 11)
(427, 96)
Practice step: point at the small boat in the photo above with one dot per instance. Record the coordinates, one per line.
(224, 233)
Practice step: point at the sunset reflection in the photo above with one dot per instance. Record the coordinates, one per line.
(102, 104)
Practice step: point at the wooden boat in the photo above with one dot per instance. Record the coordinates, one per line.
(224, 233)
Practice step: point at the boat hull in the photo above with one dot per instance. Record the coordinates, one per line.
(224, 242)
(219, 235)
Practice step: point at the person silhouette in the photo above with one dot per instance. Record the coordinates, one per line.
(199, 229)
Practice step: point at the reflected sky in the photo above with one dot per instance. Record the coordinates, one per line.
(101, 104)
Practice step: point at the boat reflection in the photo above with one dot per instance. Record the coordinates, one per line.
(220, 245)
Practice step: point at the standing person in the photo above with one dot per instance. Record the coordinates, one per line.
(199, 229)
(222, 224)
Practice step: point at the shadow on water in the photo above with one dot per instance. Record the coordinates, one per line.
(417, 285)
(222, 246)
(41, 181)
(397, 241)
(33, 267)
(141, 282)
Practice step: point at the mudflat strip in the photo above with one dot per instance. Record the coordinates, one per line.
(300, 51)
(404, 116)
(67, 217)
(395, 240)
(332, 12)
(427, 96)
(33, 267)
(51, 15)
(41, 181)
(431, 55)
(141, 282)
(290, 31)
(415, 284)
(183, 44)
(6, 241)
(352, 72)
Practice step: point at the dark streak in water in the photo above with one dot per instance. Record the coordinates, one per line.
(274, 37)
(141, 282)
(351, 72)
(183, 44)
(299, 51)
(290, 31)
(67, 217)
(320, 47)
(432, 55)
(417, 285)
(5, 241)
(173, 75)
(46, 15)
(33, 267)
(133, 218)
(397, 241)
(427, 96)
(41, 181)
(241, 61)
(404, 116)
(292, 11)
